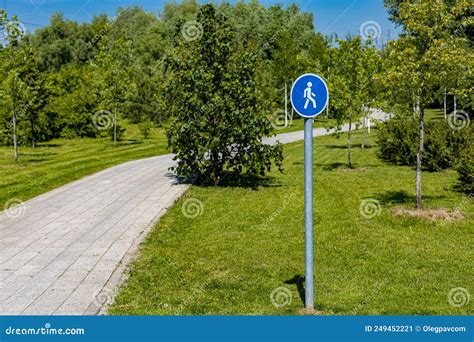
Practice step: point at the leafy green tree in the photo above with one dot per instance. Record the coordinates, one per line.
(33, 125)
(14, 89)
(369, 86)
(416, 62)
(64, 42)
(73, 101)
(113, 67)
(348, 79)
(217, 123)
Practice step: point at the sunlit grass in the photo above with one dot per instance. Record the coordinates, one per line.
(61, 161)
(249, 242)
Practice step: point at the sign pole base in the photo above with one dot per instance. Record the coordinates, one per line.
(308, 213)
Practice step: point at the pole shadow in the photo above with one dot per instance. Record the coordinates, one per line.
(298, 280)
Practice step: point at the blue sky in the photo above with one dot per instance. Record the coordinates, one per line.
(331, 16)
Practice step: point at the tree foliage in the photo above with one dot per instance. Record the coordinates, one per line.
(217, 123)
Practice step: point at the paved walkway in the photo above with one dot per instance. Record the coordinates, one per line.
(67, 251)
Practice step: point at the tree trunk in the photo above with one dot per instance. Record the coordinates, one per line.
(364, 119)
(419, 159)
(217, 168)
(15, 139)
(349, 157)
(33, 135)
(286, 105)
(444, 104)
(115, 123)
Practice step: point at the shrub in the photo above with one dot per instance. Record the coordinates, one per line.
(397, 140)
(398, 143)
(438, 154)
(465, 169)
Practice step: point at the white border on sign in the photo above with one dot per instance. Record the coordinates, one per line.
(291, 97)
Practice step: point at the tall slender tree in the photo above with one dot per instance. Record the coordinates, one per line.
(12, 85)
(417, 62)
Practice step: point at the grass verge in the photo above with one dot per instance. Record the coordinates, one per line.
(61, 161)
(242, 245)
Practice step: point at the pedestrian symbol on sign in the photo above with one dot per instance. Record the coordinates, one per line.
(309, 96)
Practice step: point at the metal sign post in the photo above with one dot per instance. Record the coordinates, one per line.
(308, 212)
(309, 98)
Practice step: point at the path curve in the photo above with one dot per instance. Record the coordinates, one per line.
(65, 252)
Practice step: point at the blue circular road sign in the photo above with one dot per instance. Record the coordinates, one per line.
(309, 95)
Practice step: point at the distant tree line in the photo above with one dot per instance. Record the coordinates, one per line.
(216, 74)
(62, 74)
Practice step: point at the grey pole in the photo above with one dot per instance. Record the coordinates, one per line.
(308, 212)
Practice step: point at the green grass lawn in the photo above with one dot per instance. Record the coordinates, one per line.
(248, 242)
(61, 161)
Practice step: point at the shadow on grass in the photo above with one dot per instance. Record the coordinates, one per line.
(401, 197)
(129, 142)
(32, 161)
(36, 154)
(332, 166)
(355, 146)
(298, 280)
(48, 145)
(231, 180)
(344, 166)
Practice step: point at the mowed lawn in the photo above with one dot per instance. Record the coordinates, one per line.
(61, 161)
(247, 243)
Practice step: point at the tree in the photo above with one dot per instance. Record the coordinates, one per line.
(72, 102)
(217, 125)
(417, 61)
(347, 78)
(369, 87)
(14, 88)
(114, 70)
(64, 42)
